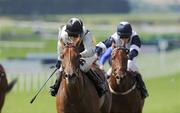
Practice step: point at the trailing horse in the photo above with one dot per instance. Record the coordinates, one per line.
(77, 92)
(126, 97)
(4, 86)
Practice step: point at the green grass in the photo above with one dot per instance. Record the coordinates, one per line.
(20, 103)
(164, 98)
(164, 95)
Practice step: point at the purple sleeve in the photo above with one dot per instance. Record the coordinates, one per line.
(105, 56)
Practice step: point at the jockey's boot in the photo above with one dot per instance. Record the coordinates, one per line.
(141, 86)
(54, 88)
(99, 83)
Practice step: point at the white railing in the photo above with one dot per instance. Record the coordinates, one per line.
(27, 83)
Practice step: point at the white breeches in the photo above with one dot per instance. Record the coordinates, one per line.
(132, 66)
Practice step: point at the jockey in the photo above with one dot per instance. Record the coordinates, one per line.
(132, 41)
(74, 28)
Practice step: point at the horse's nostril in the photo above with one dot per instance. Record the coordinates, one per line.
(73, 75)
(117, 77)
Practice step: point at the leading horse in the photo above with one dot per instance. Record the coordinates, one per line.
(4, 86)
(77, 93)
(126, 97)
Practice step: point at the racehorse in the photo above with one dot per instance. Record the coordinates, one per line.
(77, 93)
(4, 86)
(126, 97)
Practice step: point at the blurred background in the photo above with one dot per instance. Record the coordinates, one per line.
(28, 37)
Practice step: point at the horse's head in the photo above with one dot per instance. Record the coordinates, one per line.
(119, 62)
(70, 62)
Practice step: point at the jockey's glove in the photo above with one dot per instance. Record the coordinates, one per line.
(133, 53)
(58, 64)
(98, 50)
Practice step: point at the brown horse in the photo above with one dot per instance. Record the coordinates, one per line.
(126, 98)
(77, 93)
(4, 86)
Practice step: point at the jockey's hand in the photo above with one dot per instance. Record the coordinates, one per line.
(129, 57)
(58, 64)
(82, 61)
(98, 51)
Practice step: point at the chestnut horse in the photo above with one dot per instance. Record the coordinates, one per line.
(126, 98)
(4, 86)
(77, 93)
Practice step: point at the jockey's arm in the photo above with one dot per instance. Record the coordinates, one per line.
(105, 56)
(59, 49)
(61, 36)
(134, 47)
(88, 46)
(102, 46)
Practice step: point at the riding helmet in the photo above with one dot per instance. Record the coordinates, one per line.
(124, 29)
(74, 26)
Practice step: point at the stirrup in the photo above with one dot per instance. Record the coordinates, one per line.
(54, 88)
(53, 91)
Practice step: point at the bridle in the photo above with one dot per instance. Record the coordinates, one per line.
(121, 77)
(77, 72)
(127, 51)
(77, 69)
